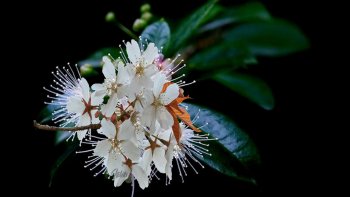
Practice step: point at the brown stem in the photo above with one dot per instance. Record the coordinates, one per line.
(52, 128)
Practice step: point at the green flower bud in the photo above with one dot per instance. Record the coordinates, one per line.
(110, 17)
(139, 24)
(145, 8)
(147, 16)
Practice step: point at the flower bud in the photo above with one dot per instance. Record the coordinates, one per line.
(139, 24)
(110, 17)
(145, 8)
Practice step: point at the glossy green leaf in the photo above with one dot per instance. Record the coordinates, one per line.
(158, 33)
(274, 38)
(248, 86)
(71, 148)
(251, 11)
(95, 60)
(221, 56)
(234, 153)
(190, 25)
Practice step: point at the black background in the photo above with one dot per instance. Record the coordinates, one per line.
(53, 33)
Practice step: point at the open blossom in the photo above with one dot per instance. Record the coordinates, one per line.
(157, 111)
(78, 105)
(141, 67)
(144, 130)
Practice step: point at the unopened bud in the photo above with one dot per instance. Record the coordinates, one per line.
(145, 8)
(110, 17)
(147, 16)
(139, 24)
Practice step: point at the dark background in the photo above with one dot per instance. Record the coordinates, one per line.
(56, 32)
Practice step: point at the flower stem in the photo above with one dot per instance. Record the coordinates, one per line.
(53, 128)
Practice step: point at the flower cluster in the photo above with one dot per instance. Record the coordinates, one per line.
(143, 124)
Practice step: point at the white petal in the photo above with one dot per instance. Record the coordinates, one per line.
(109, 108)
(169, 155)
(96, 99)
(85, 89)
(170, 94)
(150, 53)
(146, 82)
(75, 105)
(107, 129)
(114, 162)
(98, 86)
(164, 118)
(151, 70)
(159, 159)
(133, 51)
(140, 176)
(148, 116)
(108, 69)
(123, 74)
(102, 148)
(159, 81)
(130, 150)
(81, 134)
(165, 135)
(121, 175)
(146, 160)
(126, 131)
(83, 121)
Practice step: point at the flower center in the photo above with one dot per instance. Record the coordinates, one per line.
(111, 85)
(139, 69)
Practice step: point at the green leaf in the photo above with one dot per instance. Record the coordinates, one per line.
(252, 11)
(233, 153)
(70, 149)
(274, 38)
(190, 25)
(95, 60)
(158, 33)
(250, 87)
(221, 56)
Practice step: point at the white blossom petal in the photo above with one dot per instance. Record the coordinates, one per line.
(123, 74)
(75, 105)
(107, 129)
(121, 175)
(159, 159)
(130, 150)
(164, 118)
(133, 51)
(109, 108)
(95, 99)
(98, 86)
(108, 69)
(102, 148)
(126, 131)
(85, 89)
(150, 54)
(170, 94)
(114, 162)
(140, 176)
(159, 81)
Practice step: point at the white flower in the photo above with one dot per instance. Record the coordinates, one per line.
(115, 144)
(155, 151)
(113, 83)
(66, 85)
(189, 147)
(141, 67)
(129, 168)
(157, 110)
(83, 107)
